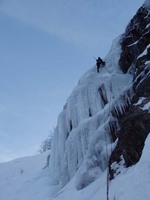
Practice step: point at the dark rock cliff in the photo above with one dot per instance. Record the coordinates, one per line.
(135, 40)
(134, 123)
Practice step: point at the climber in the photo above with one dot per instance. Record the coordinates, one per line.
(99, 63)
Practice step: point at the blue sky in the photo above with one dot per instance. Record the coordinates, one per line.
(45, 47)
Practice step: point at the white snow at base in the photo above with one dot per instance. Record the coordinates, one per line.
(34, 183)
(131, 184)
(25, 179)
(134, 184)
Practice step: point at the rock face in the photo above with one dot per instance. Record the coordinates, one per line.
(134, 123)
(135, 40)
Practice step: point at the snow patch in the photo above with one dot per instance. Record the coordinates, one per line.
(144, 52)
(147, 62)
(146, 106)
(141, 99)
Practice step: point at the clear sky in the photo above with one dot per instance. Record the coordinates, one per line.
(45, 47)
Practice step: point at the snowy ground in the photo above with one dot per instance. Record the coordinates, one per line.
(25, 179)
(131, 184)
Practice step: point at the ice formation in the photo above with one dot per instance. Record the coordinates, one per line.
(82, 134)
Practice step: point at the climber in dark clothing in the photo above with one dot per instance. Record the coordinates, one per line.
(99, 62)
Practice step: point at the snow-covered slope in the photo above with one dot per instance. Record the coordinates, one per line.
(25, 179)
(131, 184)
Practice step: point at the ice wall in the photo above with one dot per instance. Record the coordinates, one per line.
(82, 136)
